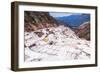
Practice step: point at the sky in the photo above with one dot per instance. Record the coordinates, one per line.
(61, 14)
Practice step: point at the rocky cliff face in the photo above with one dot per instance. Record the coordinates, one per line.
(38, 20)
(84, 31)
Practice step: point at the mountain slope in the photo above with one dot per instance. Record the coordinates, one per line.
(38, 20)
(83, 31)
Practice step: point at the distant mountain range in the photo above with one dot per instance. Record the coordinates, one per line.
(74, 21)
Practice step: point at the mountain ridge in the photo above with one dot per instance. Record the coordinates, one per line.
(74, 20)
